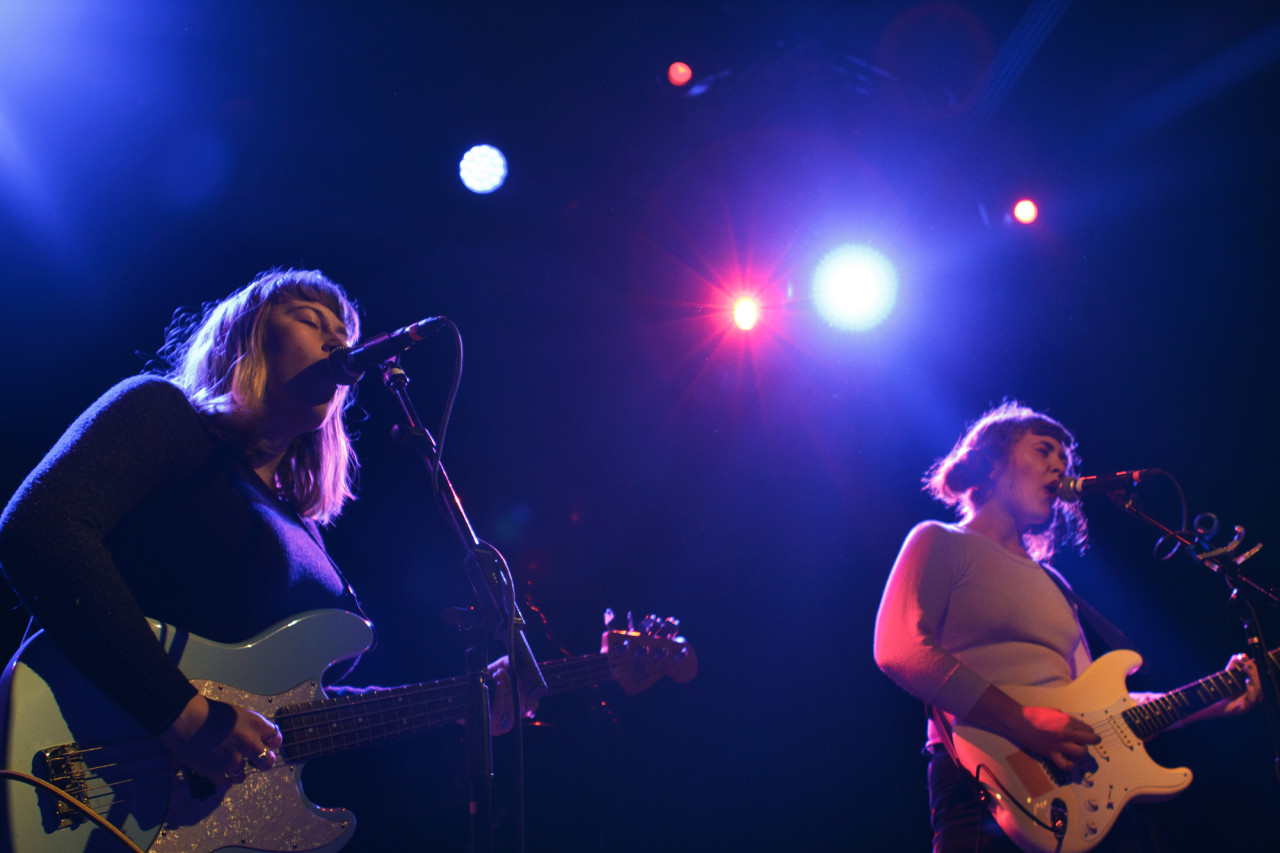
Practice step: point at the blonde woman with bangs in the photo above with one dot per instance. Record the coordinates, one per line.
(195, 497)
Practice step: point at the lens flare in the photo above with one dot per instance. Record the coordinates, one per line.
(746, 313)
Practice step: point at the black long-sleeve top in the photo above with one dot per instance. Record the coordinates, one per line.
(141, 509)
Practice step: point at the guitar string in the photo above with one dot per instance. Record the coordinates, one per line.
(377, 717)
(393, 721)
(357, 705)
(449, 690)
(105, 787)
(385, 714)
(1123, 729)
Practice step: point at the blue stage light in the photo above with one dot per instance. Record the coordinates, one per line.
(483, 169)
(854, 287)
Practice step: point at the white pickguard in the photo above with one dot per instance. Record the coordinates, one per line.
(129, 777)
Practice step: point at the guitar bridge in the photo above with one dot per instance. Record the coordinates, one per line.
(64, 768)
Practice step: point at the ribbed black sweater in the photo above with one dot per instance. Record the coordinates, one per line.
(140, 509)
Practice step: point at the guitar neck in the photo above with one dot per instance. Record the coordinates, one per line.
(575, 672)
(326, 726)
(1154, 716)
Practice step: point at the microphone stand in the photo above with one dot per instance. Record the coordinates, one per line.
(1225, 562)
(495, 612)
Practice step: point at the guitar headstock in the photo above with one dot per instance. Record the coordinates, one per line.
(639, 658)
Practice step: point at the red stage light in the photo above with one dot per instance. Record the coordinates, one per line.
(745, 313)
(679, 73)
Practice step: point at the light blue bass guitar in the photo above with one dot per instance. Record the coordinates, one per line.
(59, 727)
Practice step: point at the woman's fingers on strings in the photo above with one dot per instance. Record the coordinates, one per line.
(1253, 687)
(272, 740)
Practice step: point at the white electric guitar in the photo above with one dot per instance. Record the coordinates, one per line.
(1047, 810)
(59, 727)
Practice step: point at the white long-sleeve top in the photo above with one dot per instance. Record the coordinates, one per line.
(960, 613)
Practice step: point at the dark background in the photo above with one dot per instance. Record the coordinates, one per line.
(614, 437)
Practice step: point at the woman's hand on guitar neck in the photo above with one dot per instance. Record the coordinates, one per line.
(1252, 689)
(501, 706)
(219, 741)
(1240, 704)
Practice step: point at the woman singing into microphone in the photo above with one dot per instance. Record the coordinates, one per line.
(975, 606)
(196, 498)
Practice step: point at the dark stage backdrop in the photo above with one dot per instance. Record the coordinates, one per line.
(613, 437)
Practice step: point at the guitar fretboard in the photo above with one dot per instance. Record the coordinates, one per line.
(325, 726)
(1152, 717)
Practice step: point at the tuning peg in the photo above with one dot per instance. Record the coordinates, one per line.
(648, 623)
(631, 623)
(608, 616)
(668, 627)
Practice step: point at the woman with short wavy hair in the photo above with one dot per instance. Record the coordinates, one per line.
(972, 607)
(963, 478)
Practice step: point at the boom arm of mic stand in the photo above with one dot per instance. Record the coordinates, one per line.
(1220, 562)
(485, 568)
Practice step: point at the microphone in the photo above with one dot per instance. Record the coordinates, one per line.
(348, 364)
(1074, 488)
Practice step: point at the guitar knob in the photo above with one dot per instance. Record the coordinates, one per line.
(1091, 804)
(1086, 781)
(1090, 828)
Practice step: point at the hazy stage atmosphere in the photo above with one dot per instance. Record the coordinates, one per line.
(618, 435)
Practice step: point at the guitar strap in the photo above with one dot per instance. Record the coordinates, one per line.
(1110, 634)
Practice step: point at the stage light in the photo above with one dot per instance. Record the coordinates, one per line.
(745, 313)
(1025, 211)
(678, 73)
(854, 287)
(483, 169)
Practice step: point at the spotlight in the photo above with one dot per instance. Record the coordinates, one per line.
(855, 287)
(1025, 211)
(745, 313)
(678, 73)
(483, 169)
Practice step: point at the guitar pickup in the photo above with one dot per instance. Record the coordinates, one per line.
(63, 767)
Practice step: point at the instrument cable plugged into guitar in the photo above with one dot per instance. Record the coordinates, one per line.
(89, 813)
